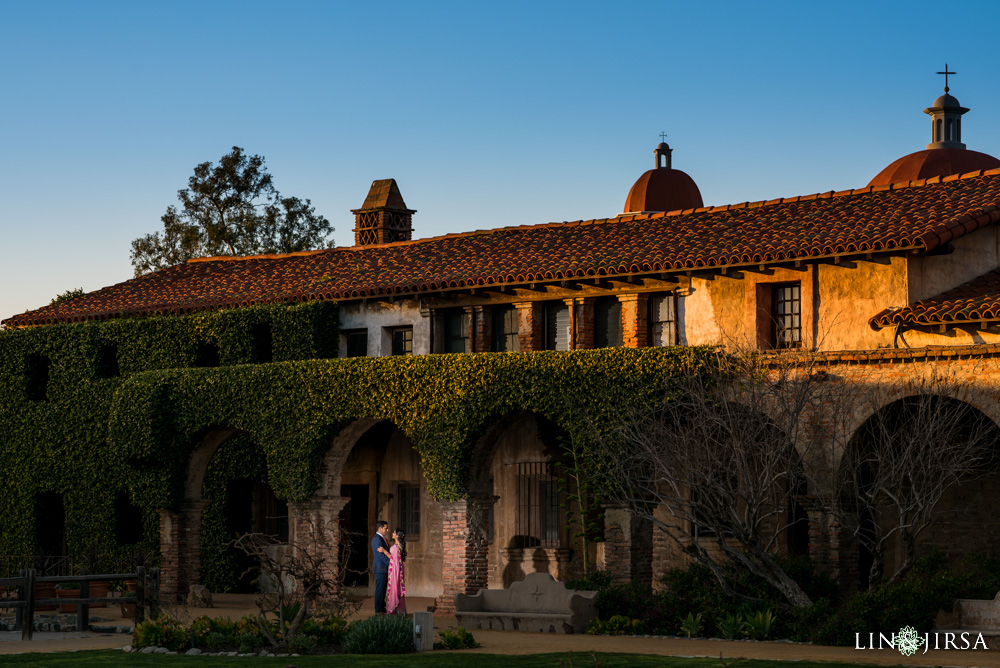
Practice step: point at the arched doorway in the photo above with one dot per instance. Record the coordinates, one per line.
(920, 475)
(239, 501)
(381, 478)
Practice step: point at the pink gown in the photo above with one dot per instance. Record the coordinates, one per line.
(396, 597)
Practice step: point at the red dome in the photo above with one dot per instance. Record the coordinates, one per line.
(933, 162)
(663, 189)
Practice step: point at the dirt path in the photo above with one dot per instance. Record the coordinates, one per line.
(514, 642)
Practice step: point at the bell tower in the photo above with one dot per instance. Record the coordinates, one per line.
(946, 119)
(383, 218)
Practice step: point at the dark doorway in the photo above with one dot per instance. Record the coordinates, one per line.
(354, 528)
(50, 524)
(239, 521)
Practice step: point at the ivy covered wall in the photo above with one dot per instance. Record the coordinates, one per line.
(57, 388)
(98, 429)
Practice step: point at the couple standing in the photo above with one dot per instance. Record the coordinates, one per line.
(390, 593)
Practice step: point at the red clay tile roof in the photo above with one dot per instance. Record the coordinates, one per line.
(920, 215)
(976, 301)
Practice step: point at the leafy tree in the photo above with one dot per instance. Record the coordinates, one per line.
(68, 295)
(231, 208)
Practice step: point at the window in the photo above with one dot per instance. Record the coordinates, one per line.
(402, 341)
(537, 506)
(357, 343)
(128, 520)
(505, 330)
(36, 377)
(206, 355)
(260, 340)
(409, 509)
(50, 524)
(556, 326)
(607, 323)
(107, 361)
(787, 316)
(662, 321)
(456, 331)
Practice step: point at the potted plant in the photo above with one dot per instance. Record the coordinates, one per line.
(95, 565)
(44, 589)
(68, 590)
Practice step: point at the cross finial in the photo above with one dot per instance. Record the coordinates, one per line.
(946, 73)
(663, 135)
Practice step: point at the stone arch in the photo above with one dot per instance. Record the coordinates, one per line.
(372, 471)
(920, 422)
(181, 527)
(513, 473)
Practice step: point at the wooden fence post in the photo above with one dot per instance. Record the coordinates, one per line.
(83, 609)
(154, 593)
(21, 596)
(140, 595)
(28, 623)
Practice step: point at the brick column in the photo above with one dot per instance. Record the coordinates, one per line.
(530, 326)
(482, 329)
(628, 547)
(180, 548)
(635, 320)
(582, 312)
(463, 543)
(315, 528)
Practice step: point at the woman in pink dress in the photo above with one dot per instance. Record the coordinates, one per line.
(396, 597)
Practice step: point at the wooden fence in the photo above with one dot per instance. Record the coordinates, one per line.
(146, 595)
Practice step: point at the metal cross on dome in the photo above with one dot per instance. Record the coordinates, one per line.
(946, 73)
(663, 135)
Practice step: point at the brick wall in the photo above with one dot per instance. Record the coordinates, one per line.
(180, 549)
(530, 325)
(627, 550)
(635, 320)
(465, 569)
(482, 329)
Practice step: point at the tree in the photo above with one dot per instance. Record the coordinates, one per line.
(904, 460)
(231, 208)
(714, 464)
(305, 583)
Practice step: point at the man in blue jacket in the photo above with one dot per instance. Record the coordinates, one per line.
(380, 564)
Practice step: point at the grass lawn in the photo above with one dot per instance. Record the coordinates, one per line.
(110, 658)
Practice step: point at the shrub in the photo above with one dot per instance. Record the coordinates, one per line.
(759, 625)
(459, 639)
(730, 627)
(692, 625)
(618, 625)
(930, 586)
(250, 643)
(328, 632)
(160, 632)
(593, 581)
(302, 644)
(381, 634)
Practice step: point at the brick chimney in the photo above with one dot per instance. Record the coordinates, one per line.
(383, 218)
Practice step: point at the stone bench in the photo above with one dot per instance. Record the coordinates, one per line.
(537, 603)
(974, 617)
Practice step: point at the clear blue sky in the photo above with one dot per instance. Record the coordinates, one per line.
(485, 114)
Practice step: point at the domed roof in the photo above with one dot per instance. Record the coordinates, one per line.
(933, 162)
(663, 189)
(945, 100)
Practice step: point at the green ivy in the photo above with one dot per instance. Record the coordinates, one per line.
(95, 435)
(60, 443)
(223, 566)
